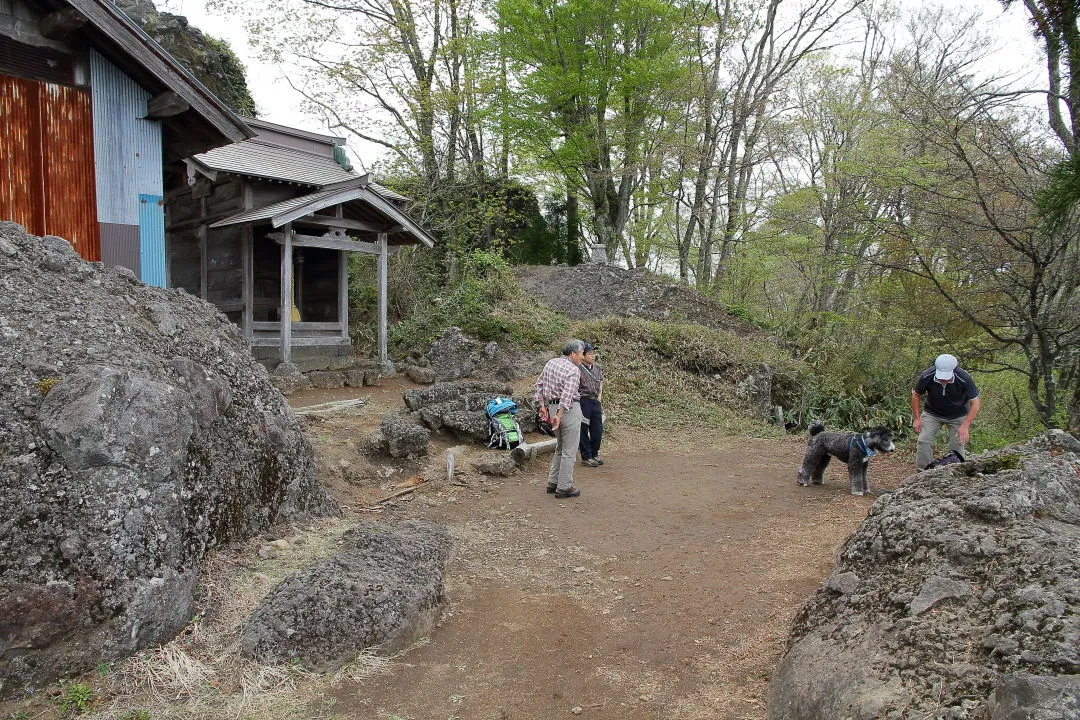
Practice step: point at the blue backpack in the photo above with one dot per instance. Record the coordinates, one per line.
(504, 433)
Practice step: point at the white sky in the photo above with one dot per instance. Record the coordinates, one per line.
(278, 102)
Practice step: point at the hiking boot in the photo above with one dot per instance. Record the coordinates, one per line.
(591, 462)
(572, 492)
(552, 487)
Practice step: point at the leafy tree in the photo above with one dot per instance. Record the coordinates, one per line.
(596, 78)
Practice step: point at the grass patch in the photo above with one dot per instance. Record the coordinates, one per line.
(200, 675)
(680, 381)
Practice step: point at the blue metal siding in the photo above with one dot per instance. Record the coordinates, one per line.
(128, 163)
(152, 240)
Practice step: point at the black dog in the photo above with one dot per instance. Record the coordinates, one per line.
(853, 448)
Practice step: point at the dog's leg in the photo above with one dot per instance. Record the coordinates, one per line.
(819, 472)
(803, 476)
(857, 474)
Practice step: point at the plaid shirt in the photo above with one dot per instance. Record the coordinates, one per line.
(559, 381)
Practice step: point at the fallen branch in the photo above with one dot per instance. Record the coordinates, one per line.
(398, 494)
(329, 408)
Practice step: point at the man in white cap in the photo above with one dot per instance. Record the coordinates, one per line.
(952, 399)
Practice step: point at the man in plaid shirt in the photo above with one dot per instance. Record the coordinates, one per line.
(558, 398)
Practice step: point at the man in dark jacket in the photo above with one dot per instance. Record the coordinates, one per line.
(952, 399)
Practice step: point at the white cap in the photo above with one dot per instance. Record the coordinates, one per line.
(944, 366)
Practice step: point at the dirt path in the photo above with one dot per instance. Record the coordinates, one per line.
(664, 591)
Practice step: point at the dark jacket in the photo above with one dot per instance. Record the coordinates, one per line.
(948, 401)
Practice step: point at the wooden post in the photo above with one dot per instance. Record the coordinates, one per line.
(383, 255)
(204, 264)
(248, 245)
(286, 296)
(343, 292)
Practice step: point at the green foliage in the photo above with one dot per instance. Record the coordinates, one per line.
(74, 699)
(485, 302)
(667, 377)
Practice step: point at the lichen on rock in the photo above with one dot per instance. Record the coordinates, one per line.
(136, 432)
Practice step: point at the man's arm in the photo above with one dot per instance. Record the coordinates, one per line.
(964, 430)
(916, 411)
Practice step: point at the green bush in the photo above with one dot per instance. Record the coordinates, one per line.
(486, 303)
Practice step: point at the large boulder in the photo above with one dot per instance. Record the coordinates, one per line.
(397, 437)
(385, 589)
(136, 432)
(456, 356)
(958, 597)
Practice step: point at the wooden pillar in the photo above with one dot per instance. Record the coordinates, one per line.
(343, 292)
(383, 256)
(286, 295)
(247, 241)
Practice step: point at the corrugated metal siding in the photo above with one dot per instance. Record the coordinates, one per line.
(68, 148)
(47, 161)
(120, 246)
(152, 240)
(118, 104)
(129, 163)
(21, 192)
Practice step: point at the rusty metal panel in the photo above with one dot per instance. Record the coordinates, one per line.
(67, 149)
(47, 161)
(21, 192)
(120, 246)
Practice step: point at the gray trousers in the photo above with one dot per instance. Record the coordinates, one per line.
(566, 446)
(931, 425)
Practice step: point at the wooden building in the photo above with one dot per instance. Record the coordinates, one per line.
(263, 229)
(93, 110)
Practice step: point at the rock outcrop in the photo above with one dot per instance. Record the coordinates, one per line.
(958, 597)
(212, 61)
(460, 407)
(384, 590)
(456, 356)
(136, 432)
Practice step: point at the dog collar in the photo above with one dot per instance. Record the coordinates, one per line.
(857, 442)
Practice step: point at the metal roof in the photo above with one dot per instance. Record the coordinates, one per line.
(269, 211)
(388, 193)
(358, 200)
(261, 159)
(273, 162)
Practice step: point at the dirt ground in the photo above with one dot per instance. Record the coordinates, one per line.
(665, 591)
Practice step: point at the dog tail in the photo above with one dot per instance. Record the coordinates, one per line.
(816, 427)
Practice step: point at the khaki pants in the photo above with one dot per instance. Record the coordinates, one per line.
(567, 437)
(931, 425)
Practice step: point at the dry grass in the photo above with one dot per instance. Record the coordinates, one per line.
(201, 675)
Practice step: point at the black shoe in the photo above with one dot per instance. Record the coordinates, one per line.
(572, 492)
(598, 461)
(552, 488)
(591, 462)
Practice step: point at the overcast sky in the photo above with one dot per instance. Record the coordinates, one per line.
(278, 102)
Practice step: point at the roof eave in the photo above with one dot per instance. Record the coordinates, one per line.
(118, 28)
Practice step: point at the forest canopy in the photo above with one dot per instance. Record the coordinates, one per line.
(845, 172)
